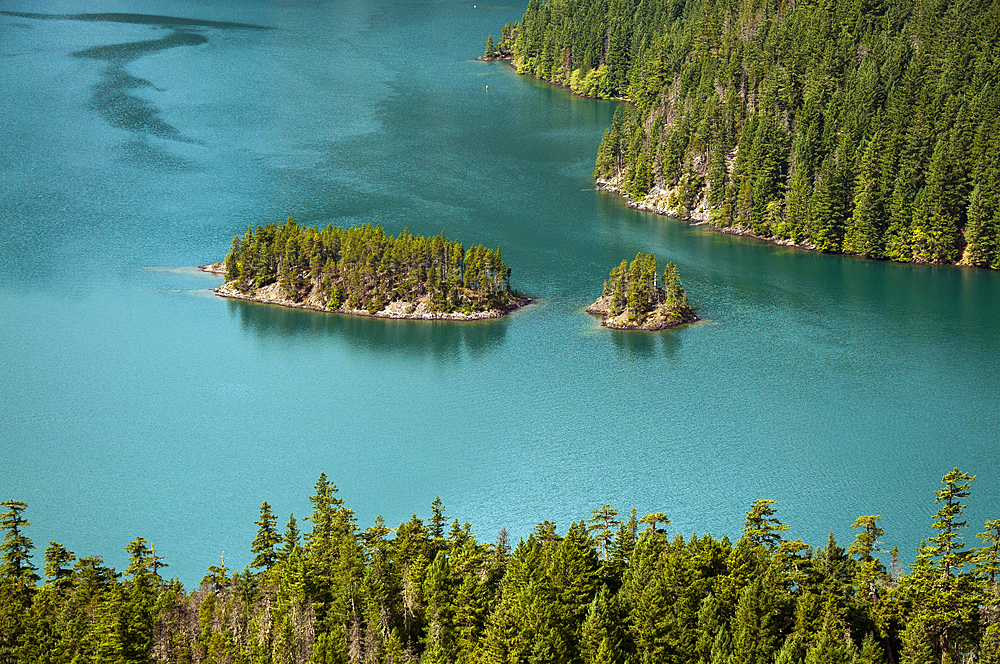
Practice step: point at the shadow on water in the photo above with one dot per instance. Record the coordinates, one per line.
(140, 19)
(442, 340)
(112, 97)
(646, 345)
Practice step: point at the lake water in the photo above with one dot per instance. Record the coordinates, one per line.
(134, 402)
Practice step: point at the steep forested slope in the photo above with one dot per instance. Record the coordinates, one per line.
(869, 127)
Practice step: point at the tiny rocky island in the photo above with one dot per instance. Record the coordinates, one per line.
(362, 271)
(633, 300)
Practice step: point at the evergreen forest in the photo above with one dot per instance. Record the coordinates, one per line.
(867, 127)
(610, 588)
(632, 297)
(362, 268)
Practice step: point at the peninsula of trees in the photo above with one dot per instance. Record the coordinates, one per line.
(633, 300)
(361, 270)
(607, 590)
(868, 127)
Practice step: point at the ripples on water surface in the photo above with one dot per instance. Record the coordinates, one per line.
(137, 144)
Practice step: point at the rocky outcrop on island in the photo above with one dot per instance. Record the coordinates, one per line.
(364, 272)
(633, 299)
(214, 268)
(422, 309)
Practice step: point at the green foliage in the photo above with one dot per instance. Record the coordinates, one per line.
(917, 647)
(946, 595)
(989, 648)
(267, 538)
(363, 269)
(761, 526)
(427, 592)
(603, 524)
(868, 128)
(15, 559)
(57, 559)
(633, 289)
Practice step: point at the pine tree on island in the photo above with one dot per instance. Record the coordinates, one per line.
(633, 299)
(361, 270)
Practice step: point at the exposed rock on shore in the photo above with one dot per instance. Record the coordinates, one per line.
(658, 201)
(420, 310)
(661, 318)
(632, 298)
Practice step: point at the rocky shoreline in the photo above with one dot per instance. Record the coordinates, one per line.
(398, 309)
(655, 321)
(656, 201)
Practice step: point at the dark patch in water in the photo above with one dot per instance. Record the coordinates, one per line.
(134, 50)
(112, 98)
(141, 19)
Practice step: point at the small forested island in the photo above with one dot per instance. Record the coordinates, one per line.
(633, 300)
(866, 128)
(362, 271)
(610, 589)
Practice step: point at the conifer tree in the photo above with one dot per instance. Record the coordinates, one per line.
(437, 520)
(867, 224)
(870, 575)
(916, 644)
(952, 604)
(761, 526)
(57, 559)
(826, 227)
(653, 518)
(899, 243)
(621, 553)
(754, 639)
(290, 540)
(438, 610)
(871, 652)
(721, 647)
(831, 648)
(792, 650)
(15, 559)
(987, 560)
(133, 612)
(989, 646)
(603, 523)
(267, 538)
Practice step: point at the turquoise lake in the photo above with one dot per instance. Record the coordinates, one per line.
(133, 402)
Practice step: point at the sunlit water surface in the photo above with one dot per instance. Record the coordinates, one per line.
(134, 402)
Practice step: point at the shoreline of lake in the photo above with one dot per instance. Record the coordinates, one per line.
(397, 309)
(656, 321)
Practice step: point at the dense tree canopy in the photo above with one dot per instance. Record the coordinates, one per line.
(610, 591)
(633, 296)
(362, 268)
(869, 127)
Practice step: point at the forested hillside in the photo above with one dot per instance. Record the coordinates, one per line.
(363, 269)
(610, 588)
(869, 127)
